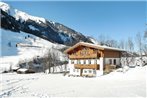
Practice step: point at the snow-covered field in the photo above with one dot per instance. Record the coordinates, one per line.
(28, 48)
(40, 85)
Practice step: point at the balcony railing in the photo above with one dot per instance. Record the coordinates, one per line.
(87, 66)
(82, 56)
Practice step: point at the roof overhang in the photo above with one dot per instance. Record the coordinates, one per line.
(91, 46)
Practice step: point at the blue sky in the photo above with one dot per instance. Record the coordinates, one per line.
(117, 20)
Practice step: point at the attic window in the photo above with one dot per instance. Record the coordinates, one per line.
(95, 51)
(84, 51)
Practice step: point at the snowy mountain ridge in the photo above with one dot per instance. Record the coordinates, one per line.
(31, 37)
(15, 20)
(19, 14)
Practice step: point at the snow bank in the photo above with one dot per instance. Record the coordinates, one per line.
(22, 69)
(116, 84)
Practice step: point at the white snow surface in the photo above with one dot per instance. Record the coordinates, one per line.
(64, 38)
(20, 15)
(28, 48)
(40, 85)
(4, 6)
(93, 41)
(33, 28)
(22, 69)
(100, 46)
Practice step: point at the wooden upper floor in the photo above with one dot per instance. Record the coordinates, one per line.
(90, 51)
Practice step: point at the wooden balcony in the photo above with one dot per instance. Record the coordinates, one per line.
(83, 57)
(87, 66)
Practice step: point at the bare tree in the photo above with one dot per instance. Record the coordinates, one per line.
(47, 62)
(101, 39)
(105, 40)
(139, 43)
(121, 44)
(145, 43)
(111, 43)
(130, 45)
(124, 60)
(145, 50)
(128, 58)
(55, 61)
(51, 61)
(145, 34)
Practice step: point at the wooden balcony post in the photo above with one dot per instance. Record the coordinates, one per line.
(81, 71)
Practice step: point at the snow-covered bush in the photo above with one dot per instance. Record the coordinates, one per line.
(125, 69)
(141, 61)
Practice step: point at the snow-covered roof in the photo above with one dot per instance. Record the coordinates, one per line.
(22, 69)
(92, 46)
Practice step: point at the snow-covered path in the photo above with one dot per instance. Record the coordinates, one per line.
(115, 84)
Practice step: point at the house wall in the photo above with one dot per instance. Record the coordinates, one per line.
(74, 71)
(83, 53)
(93, 61)
(89, 72)
(107, 61)
(111, 54)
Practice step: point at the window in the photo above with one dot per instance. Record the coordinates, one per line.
(78, 62)
(114, 61)
(85, 71)
(89, 61)
(77, 70)
(84, 61)
(73, 70)
(94, 71)
(72, 61)
(84, 51)
(95, 61)
(110, 61)
(90, 71)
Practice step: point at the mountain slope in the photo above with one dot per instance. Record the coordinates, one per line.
(24, 38)
(15, 20)
(19, 48)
